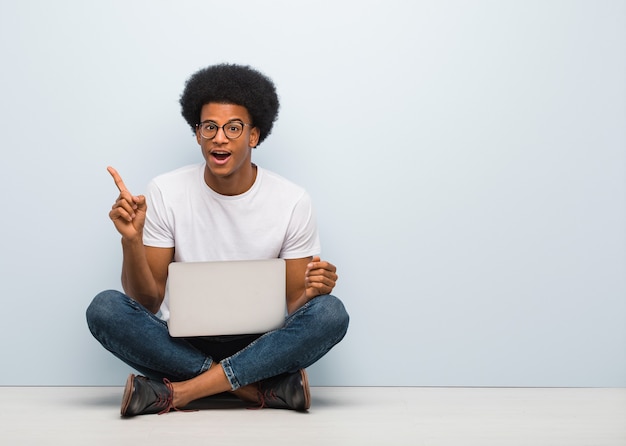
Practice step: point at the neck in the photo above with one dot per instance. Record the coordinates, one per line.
(231, 184)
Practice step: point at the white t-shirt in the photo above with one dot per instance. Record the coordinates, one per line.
(273, 219)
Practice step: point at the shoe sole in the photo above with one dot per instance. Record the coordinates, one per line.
(128, 393)
(307, 392)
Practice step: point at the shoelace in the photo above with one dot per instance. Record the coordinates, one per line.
(263, 397)
(166, 403)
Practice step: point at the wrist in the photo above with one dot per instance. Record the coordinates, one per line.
(132, 241)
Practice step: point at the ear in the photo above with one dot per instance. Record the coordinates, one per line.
(198, 137)
(255, 134)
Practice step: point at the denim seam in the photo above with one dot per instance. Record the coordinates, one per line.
(230, 374)
(226, 363)
(302, 309)
(206, 365)
(138, 307)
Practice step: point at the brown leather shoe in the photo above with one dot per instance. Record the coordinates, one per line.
(286, 391)
(143, 396)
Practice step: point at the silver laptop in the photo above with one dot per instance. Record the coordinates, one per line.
(226, 298)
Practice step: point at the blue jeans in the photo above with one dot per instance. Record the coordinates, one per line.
(140, 339)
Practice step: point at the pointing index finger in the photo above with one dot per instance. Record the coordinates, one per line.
(117, 178)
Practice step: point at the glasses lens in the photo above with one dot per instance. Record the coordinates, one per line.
(233, 129)
(208, 130)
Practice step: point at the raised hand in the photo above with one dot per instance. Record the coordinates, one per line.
(129, 211)
(320, 278)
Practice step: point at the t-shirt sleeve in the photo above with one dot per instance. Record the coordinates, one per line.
(158, 229)
(302, 238)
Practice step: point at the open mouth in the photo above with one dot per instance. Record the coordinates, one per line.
(220, 156)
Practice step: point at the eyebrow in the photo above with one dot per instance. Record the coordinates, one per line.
(207, 121)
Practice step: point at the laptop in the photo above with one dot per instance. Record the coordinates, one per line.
(226, 298)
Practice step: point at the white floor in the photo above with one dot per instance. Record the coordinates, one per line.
(338, 416)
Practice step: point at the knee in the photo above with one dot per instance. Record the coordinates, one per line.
(102, 309)
(334, 314)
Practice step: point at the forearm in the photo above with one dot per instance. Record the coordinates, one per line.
(137, 278)
(294, 304)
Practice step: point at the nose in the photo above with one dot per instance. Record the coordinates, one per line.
(220, 136)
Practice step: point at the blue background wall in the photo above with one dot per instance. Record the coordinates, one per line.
(466, 159)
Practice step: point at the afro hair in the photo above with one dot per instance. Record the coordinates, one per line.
(231, 84)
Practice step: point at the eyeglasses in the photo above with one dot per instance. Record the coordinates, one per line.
(232, 129)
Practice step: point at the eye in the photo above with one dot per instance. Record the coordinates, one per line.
(234, 126)
(209, 126)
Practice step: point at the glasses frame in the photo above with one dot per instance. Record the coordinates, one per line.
(200, 125)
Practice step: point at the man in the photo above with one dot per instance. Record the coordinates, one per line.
(225, 208)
